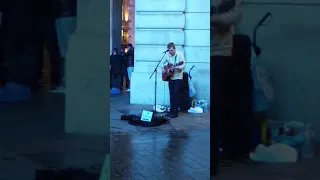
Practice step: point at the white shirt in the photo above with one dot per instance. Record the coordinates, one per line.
(175, 59)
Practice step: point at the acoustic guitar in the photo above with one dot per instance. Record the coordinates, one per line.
(169, 70)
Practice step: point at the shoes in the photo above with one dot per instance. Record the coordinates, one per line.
(128, 90)
(114, 91)
(13, 92)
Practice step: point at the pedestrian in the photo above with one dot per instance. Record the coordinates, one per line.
(66, 24)
(125, 72)
(130, 62)
(50, 42)
(224, 15)
(117, 66)
(20, 28)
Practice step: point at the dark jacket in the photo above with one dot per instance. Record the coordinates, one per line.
(130, 58)
(65, 8)
(20, 18)
(117, 64)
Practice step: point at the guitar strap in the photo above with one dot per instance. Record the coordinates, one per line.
(175, 59)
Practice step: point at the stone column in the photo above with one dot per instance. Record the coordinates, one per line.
(116, 23)
(111, 24)
(87, 71)
(131, 8)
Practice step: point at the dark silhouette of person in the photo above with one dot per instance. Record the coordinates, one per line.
(20, 35)
(117, 66)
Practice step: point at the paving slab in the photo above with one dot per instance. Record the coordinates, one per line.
(120, 105)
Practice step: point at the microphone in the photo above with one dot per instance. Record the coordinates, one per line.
(165, 51)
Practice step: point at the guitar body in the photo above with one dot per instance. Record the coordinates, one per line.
(169, 71)
(166, 75)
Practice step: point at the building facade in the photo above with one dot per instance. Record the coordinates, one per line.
(184, 22)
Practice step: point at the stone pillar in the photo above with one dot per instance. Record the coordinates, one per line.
(87, 71)
(131, 8)
(111, 24)
(116, 23)
(158, 23)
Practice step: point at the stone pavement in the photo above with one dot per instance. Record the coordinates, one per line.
(177, 150)
(32, 137)
(120, 104)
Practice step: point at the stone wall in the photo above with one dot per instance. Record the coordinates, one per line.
(184, 22)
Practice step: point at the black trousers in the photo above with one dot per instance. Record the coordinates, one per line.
(20, 57)
(117, 80)
(174, 90)
(231, 107)
(221, 95)
(50, 41)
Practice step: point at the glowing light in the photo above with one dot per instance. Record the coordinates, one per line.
(126, 16)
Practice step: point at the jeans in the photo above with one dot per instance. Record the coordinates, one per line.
(65, 27)
(174, 90)
(130, 71)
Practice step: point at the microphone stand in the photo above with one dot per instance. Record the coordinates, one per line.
(155, 74)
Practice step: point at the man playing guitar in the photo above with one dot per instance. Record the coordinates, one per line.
(224, 16)
(174, 57)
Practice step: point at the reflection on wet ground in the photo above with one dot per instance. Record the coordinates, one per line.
(32, 137)
(175, 151)
(160, 155)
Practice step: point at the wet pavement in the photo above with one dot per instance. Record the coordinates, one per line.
(120, 104)
(160, 155)
(177, 150)
(32, 137)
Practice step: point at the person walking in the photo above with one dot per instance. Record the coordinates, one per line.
(224, 16)
(50, 42)
(125, 72)
(20, 28)
(117, 66)
(66, 24)
(130, 62)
